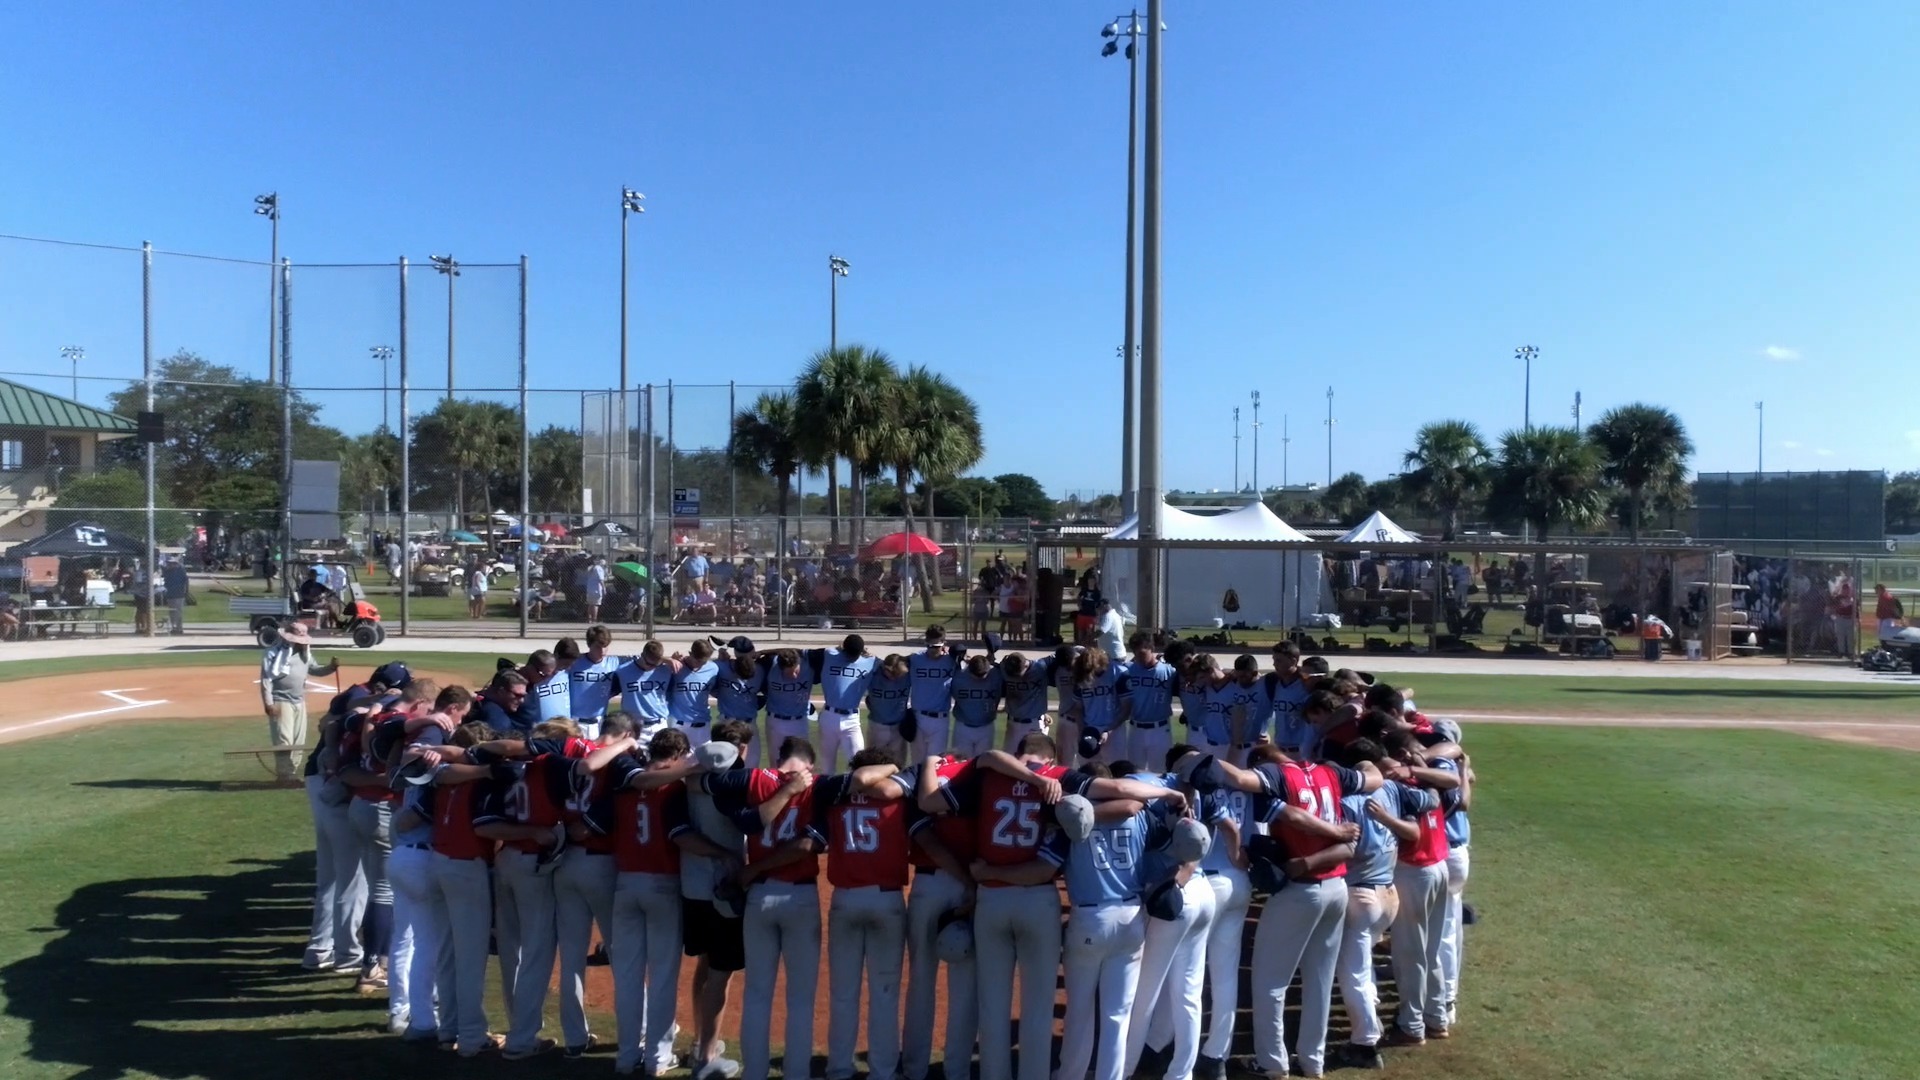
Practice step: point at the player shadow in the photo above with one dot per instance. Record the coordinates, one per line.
(156, 784)
(196, 976)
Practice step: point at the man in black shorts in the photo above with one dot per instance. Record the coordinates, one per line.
(711, 848)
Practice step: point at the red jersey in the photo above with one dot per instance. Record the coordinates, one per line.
(866, 838)
(586, 804)
(1431, 848)
(454, 809)
(538, 797)
(642, 822)
(1317, 790)
(952, 830)
(1008, 816)
(354, 751)
(792, 823)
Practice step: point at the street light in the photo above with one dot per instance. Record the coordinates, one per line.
(1760, 459)
(1256, 444)
(74, 355)
(837, 268)
(1129, 349)
(445, 264)
(621, 501)
(1329, 436)
(1236, 449)
(1525, 355)
(382, 353)
(268, 206)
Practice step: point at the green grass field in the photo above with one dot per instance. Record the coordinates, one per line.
(1680, 904)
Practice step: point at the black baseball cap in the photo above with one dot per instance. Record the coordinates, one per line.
(393, 674)
(739, 643)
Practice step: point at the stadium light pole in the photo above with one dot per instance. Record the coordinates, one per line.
(74, 354)
(1130, 349)
(268, 206)
(631, 203)
(1329, 436)
(1525, 355)
(1236, 448)
(1760, 457)
(1286, 436)
(837, 268)
(382, 353)
(1256, 444)
(447, 265)
(1149, 505)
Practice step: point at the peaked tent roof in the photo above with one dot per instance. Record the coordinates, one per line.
(1378, 528)
(77, 541)
(23, 406)
(1252, 522)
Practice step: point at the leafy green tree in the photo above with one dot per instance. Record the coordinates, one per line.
(845, 395)
(1903, 502)
(242, 502)
(466, 446)
(1545, 477)
(1643, 447)
(370, 471)
(116, 499)
(970, 497)
(1024, 496)
(933, 432)
(1447, 471)
(767, 440)
(554, 465)
(1346, 498)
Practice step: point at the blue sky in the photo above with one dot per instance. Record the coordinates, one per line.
(1702, 205)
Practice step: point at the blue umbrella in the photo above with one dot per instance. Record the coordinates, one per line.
(460, 536)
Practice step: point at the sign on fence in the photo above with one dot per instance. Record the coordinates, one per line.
(686, 508)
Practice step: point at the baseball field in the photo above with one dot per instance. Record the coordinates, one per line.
(1663, 890)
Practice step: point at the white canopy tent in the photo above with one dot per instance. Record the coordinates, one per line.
(1378, 528)
(1275, 587)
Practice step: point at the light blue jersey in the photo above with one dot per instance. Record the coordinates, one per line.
(643, 694)
(1219, 711)
(1026, 696)
(689, 693)
(553, 699)
(1220, 806)
(788, 692)
(887, 699)
(933, 681)
(1376, 851)
(1251, 698)
(977, 698)
(1285, 702)
(590, 685)
(1098, 701)
(1194, 709)
(1105, 868)
(843, 679)
(1148, 692)
(738, 696)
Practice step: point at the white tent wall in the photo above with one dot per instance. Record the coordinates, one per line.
(1276, 588)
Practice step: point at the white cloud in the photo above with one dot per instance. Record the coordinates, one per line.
(1824, 452)
(1794, 444)
(1781, 354)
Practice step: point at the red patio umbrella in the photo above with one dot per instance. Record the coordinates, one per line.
(902, 543)
(553, 529)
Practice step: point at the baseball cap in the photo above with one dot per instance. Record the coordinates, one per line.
(1190, 841)
(1264, 858)
(739, 643)
(716, 756)
(1075, 815)
(1165, 901)
(729, 899)
(393, 673)
(1090, 744)
(954, 942)
(1195, 770)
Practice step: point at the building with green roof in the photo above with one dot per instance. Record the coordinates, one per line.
(44, 438)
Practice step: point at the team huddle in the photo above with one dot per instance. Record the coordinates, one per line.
(685, 807)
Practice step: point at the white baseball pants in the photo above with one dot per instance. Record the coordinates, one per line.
(1232, 895)
(1172, 971)
(781, 926)
(1299, 931)
(1102, 957)
(644, 951)
(1018, 730)
(697, 734)
(935, 893)
(840, 739)
(1370, 913)
(933, 736)
(460, 906)
(1016, 927)
(340, 888)
(887, 737)
(1452, 936)
(866, 934)
(410, 979)
(1147, 746)
(779, 730)
(523, 907)
(969, 741)
(582, 897)
(1416, 946)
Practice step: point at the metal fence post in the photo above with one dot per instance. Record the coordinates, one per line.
(526, 454)
(647, 557)
(146, 374)
(733, 479)
(286, 428)
(406, 464)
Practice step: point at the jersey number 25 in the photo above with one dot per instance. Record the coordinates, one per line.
(1018, 823)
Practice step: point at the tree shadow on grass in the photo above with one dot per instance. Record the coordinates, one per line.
(199, 976)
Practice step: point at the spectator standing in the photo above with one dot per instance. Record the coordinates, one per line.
(1887, 611)
(1846, 615)
(174, 578)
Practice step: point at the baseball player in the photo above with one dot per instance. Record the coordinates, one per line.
(889, 697)
(789, 696)
(499, 705)
(1452, 933)
(1246, 703)
(1024, 685)
(644, 949)
(591, 681)
(1420, 879)
(932, 697)
(781, 925)
(583, 884)
(861, 819)
(340, 889)
(1099, 853)
(551, 695)
(977, 688)
(690, 691)
(1300, 924)
(1180, 906)
(1094, 704)
(711, 845)
(943, 848)
(1066, 731)
(643, 682)
(1285, 693)
(844, 676)
(459, 904)
(1230, 812)
(1205, 704)
(1016, 919)
(1146, 701)
(738, 686)
(412, 965)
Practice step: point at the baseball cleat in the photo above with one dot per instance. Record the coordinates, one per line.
(491, 1045)
(721, 1067)
(579, 1053)
(1363, 1056)
(1209, 1068)
(399, 1023)
(539, 1047)
(316, 963)
(373, 981)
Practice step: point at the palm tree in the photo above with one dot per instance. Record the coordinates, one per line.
(932, 431)
(1446, 469)
(766, 437)
(844, 394)
(1544, 477)
(1346, 497)
(1644, 448)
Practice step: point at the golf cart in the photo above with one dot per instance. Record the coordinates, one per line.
(1571, 619)
(359, 621)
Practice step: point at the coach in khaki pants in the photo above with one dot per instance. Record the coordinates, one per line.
(283, 694)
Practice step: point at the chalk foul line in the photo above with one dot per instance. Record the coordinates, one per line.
(126, 704)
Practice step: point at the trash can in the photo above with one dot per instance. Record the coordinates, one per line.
(1650, 649)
